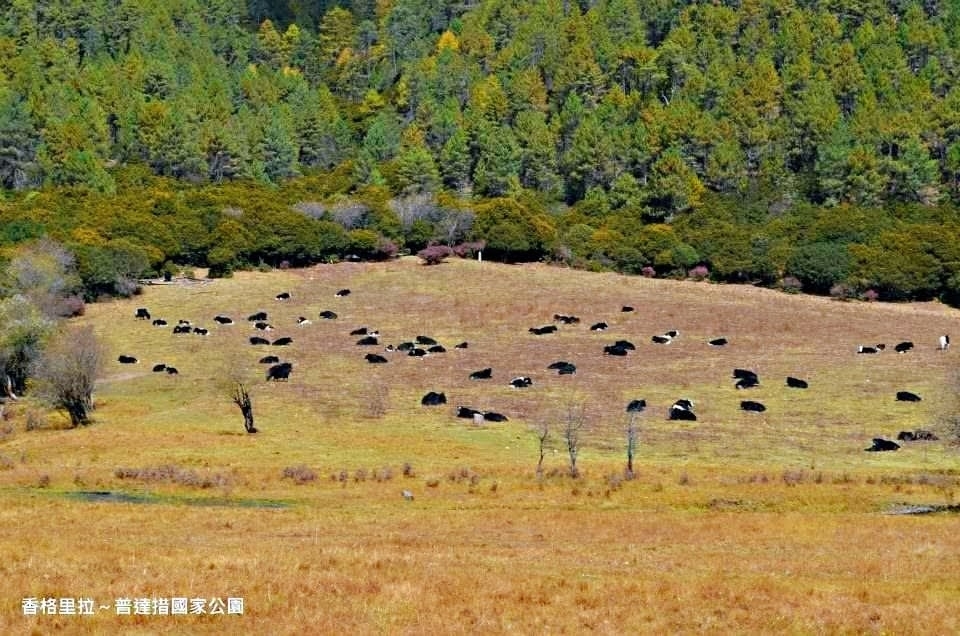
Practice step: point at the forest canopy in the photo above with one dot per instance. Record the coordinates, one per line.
(805, 143)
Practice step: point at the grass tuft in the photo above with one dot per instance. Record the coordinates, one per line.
(172, 474)
(300, 474)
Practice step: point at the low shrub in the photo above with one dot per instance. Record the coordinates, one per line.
(300, 474)
(843, 291)
(791, 285)
(434, 254)
(169, 473)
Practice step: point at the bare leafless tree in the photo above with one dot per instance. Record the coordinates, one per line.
(242, 399)
(349, 214)
(415, 207)
(949, 419)
(454, 226)
(631, 430)
(574, 422)
(312, 209)
(67, 371)
(44, 271)
(22, 339)
(542, 432)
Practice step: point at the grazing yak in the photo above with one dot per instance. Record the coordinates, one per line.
(433, 399)
(682, 415)
(375, 358)
(796, 383)
(462, 345)
(436, 349)
(368, 341)
(201, 331)
(521, 382)
(172, 371)
(425, 340)
(907, 396)
(280, 371)
(903, 347)
(257, 317)
(181, 329)
(539, 331)
(750, 405)
(567, 320)
(263, 326)
(159, 368)
(944, 342)
(223, 320)
(613, 350)
(625, 344)
(142, 314)
(661, 339)
(467, 413)
(682, 410)
(159, 322)
(127, 360)
(342, 293)
(626, 308)
(599, 326)
(636, 406)
(880, 445)
(282, 342)
(492, 416)
(283, 296)
(917, 436)
(417, 352)
(482, 374)
(866, 349)
(256, 340)
(328, 315)
(745, 378)
(269, 360)
(303, 321)
(717, 342)
(567, 369)
(359, 331)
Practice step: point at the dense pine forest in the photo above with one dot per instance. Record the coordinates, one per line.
(810, 144)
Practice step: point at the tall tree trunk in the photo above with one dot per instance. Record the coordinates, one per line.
(8, 388)
(78, 411)
(242, 399)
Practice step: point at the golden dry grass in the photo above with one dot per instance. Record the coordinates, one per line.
(739, 522)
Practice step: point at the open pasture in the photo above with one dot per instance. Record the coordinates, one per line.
(765, 522)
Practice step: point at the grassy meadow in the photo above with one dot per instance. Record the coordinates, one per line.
(737, 523)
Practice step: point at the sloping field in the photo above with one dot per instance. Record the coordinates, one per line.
(747, 522)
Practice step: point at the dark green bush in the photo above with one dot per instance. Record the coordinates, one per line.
(820, 266)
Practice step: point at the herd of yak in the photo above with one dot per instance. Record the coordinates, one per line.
(682, 409)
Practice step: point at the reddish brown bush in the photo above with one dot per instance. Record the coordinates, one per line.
(434, 254)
